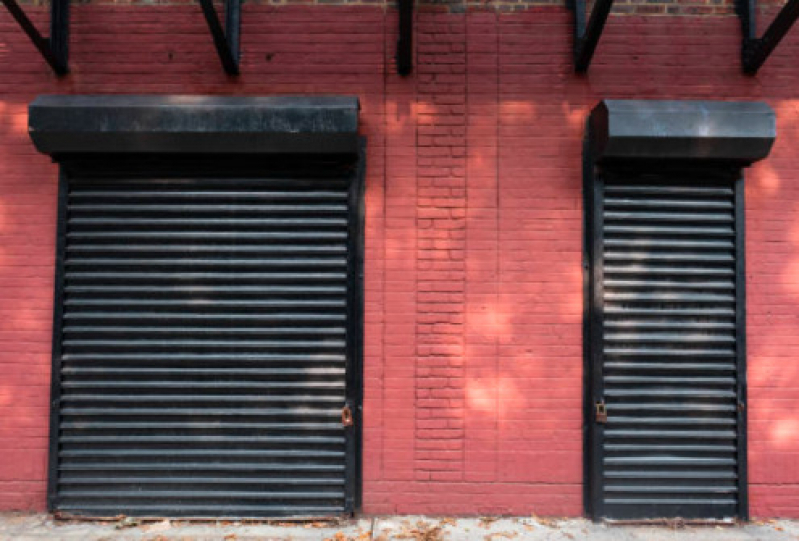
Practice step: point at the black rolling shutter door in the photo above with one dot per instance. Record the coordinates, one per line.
(670, 347)
(204, 347)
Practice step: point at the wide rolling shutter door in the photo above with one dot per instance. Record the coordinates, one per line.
(669, 346)
(204, 347)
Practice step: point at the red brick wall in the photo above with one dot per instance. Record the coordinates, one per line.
(473, 349)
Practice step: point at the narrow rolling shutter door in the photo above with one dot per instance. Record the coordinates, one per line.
(669, 348)
(204, 348)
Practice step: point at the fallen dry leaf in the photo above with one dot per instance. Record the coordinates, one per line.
(548, 522)
(505, 535)
(421, 531)
(317, 524)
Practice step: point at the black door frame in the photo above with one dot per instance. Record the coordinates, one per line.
(133, 166)
(355, 324)
(593, 322)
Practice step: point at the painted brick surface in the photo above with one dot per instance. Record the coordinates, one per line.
(473, 350)
(620, 7)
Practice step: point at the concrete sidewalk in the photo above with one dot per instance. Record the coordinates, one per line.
(33, 527)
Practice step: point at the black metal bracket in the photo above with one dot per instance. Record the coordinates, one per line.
(226, 41)
(405, 39)
(755, 51)
(55, 48)
(586, 35)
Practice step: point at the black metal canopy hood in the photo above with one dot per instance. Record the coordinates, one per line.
(194, 124)
(737, 132)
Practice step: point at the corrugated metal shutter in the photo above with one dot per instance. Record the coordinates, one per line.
(204, 348)
(669, 347)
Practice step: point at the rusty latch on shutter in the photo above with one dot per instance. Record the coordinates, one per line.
(601, 412)
(346, 416)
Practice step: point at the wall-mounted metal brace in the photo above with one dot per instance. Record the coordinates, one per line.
(586, 35)
(54, 49)
(755, 51)
(226, 41)
(405, 37)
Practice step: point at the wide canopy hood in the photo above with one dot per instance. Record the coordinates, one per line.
(194, 124)
(739, 132)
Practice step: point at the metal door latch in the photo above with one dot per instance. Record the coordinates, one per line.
(601, 413)
(346, 416)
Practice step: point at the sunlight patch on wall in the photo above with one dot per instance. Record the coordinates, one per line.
(481, 395)
(784, 433)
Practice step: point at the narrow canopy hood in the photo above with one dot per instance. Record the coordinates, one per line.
(739, 132)
(194, 124)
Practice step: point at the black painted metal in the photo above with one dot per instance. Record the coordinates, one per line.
(55, 379)
(666, 357)
(740, 329)
(405, 39)
(209, 338)
(737, 132)
(54, 49)
(755, 51)
(593, 336)
(59, 33)
(226, 41)
(747, 14)
(357, 217)
(60, 125)
(233, 31)
(586, 36)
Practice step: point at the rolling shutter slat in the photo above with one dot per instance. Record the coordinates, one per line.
(669, 350)
(204, 348)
